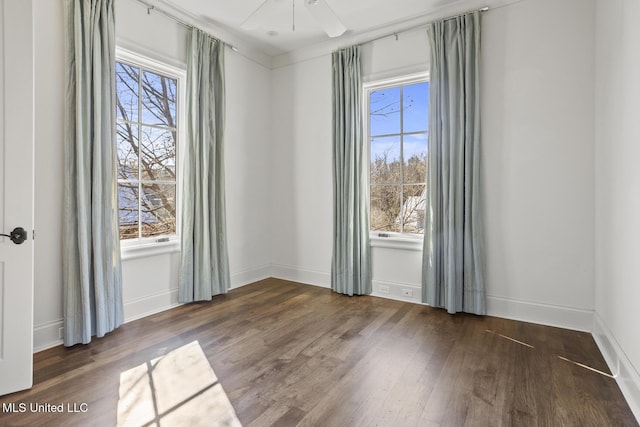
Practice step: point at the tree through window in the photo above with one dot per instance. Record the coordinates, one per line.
(146, 143)
(398, 126)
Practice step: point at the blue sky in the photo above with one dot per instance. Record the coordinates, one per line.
(385, 120)
(386, 104)
(127, 83)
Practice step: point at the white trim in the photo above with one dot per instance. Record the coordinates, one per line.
(396, 80)
(155, 303)
(131, 46)
(401, 239)
(46, 335)
(395, 291)
(249, 276)
(300, 275)
(244, 47)
(396, 242)
(165, 66)
(507, 308)
(544, 314)
(455, 7)
(147, 250)
(129, 248)
(626, 375)
(396, 73)
(150, 304)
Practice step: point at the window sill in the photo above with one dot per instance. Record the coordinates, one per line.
(149, 249)
(397, 242)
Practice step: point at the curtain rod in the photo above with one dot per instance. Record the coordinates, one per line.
(395, 33)
(151, 7)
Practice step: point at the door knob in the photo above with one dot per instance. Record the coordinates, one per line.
(17, 236)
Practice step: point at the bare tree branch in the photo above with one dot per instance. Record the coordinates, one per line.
(154, 153)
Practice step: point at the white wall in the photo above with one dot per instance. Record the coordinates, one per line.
(538, 66)
(538, 162)
(544, 263)
(396, 270)
(300, 163)
(617, 197)
(247, 173)
(49, 160)
(150, 283)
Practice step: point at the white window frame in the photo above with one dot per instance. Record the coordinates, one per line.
(147, 246)
(389, 239)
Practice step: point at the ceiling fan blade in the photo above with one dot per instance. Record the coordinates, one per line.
(253, 21)
(326, 17)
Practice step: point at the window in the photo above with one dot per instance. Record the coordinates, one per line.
(397, 118)
(148, 114)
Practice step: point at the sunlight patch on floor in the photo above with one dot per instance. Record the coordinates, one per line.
(586, 367)
(559, 357)
(510, 339)
(177, 389)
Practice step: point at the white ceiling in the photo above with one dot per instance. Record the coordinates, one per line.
(359, 16)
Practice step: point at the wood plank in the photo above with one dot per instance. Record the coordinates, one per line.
(290, 354)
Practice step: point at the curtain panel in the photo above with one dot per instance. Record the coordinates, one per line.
(91, 244)
(453, 265)
(351, 261)
(204, 269)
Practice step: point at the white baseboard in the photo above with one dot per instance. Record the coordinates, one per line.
(543, 314)
(525, 311)
(397, 291)
(323, 279)
(252, 275)
(623, 370)
(295, 274)
(150, 304)
(47, 335)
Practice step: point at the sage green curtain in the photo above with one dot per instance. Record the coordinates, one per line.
(92, 274)
(453, 265)
(351, 262)
(204, 269)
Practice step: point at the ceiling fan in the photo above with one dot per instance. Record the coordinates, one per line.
(319, 9)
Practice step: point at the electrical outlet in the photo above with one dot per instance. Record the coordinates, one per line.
(407, 292)
(384, 289)
(60, 333)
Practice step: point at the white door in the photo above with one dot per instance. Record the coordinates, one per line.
(16, 194)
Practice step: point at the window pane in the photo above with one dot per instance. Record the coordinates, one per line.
(385, 207)
(128, 210)
(158, 154)
(127, 91)
(415, 158)
(158, 209)
(384, 111)
(415, 107)
(398, 144)
(127, 140)
(146, 147)
(413, 207)
(385, 160)
(158, 100)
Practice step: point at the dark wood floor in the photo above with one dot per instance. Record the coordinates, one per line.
(289, 354)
